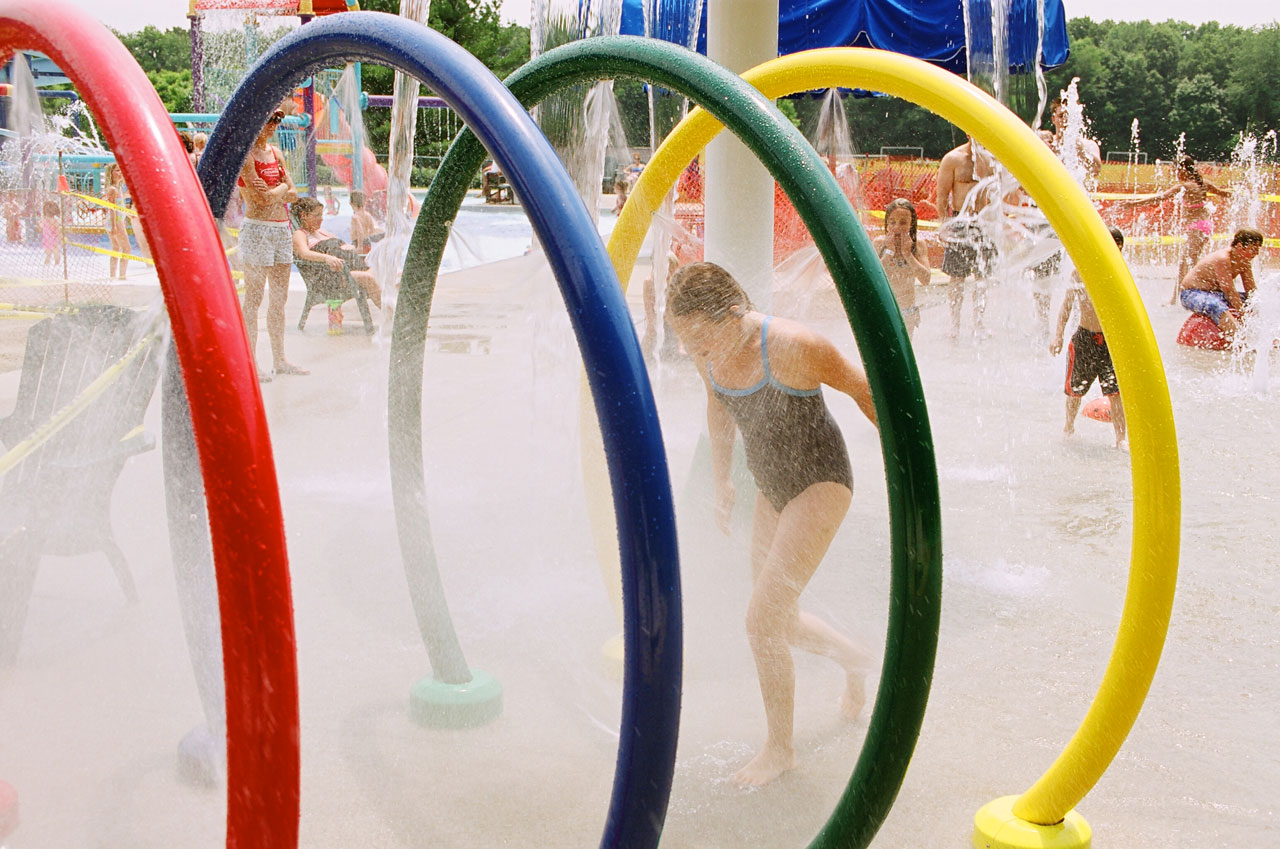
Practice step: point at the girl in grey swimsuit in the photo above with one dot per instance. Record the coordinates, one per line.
(768, 377)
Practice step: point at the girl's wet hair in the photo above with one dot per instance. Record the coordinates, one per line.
(52, 209)
(903, 203)
(704, 287)
(305, 206)
(1187, 165)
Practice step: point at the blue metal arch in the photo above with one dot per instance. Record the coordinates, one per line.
(611, 355)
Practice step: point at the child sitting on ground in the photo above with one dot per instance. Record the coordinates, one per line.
(1087, 356)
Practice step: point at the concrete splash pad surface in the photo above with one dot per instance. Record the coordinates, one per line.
(1036, 533)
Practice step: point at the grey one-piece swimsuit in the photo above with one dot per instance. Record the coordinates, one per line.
(791, 440)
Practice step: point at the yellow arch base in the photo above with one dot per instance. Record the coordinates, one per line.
(996, 826)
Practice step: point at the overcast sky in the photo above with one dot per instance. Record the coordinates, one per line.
(130, 15)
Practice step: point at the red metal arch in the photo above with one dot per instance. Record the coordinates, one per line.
(230, 425)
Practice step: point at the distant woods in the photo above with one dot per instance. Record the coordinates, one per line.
(1211, 82)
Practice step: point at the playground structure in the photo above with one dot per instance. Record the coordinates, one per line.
(262, 795)
(74, 178)
(327, 104)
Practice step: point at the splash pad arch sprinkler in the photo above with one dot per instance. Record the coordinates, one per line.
(905, 436)
(627, 413)
(1043, 816)
(230, 429)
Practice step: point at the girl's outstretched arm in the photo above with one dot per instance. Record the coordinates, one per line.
(835, 369)
(1156, 198)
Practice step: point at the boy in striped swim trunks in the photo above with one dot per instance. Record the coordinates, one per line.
(1088, 358)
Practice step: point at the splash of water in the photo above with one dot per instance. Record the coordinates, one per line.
(1255, 344)
(830, 134)
(1042, 86)
(232, 40)
(26, 117)
(676, 21)
(1131, 170)
(577, 121)
(986, 27)
(1249, 176)
(1072, 147)
(388, 259)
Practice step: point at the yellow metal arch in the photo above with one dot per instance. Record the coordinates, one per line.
(1153, 446)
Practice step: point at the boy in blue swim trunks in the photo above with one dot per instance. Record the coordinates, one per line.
(1209, 287)
(1088, 358)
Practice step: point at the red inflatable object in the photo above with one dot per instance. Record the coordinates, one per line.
(243, 497)
(1099, 409)
(1199, 331)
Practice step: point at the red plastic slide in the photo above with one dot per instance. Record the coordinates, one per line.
(375, 176)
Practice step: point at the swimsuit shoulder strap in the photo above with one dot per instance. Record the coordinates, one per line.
(764, 380)
(764, 348)
(768, 373)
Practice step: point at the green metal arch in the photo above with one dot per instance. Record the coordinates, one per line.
(906, 440)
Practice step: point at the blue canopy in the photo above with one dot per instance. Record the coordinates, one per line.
(927, 29)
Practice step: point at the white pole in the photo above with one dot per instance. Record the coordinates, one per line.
(739, 191)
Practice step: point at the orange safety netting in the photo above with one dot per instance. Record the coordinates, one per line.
(1155, 230)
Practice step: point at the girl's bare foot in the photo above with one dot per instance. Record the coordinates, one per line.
(289, 368)
(765, 767)
(854, 696)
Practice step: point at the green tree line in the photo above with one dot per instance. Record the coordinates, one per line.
(1211, 82)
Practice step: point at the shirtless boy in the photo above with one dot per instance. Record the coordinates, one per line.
(1088, 358)
(1087, 152)
(364, 230)
(968, 251)
(1209, 289)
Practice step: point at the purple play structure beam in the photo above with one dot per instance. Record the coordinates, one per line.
(383, 101)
